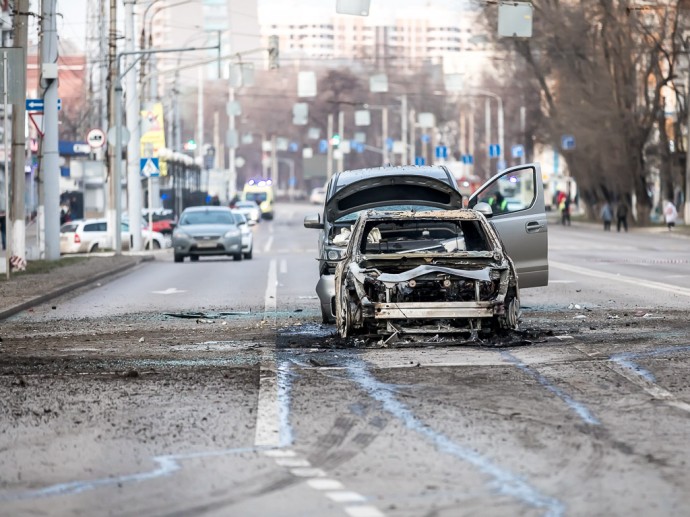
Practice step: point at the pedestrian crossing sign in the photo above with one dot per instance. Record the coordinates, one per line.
(149, 167)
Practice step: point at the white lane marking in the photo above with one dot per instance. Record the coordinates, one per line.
(346, 497)
(363, 511)
(280, 453)
(267, 410)
(292, 462)
(676, 276)
(269, 243)
(561, 281)
(169, 290)
(270, 302)
(307, 472)
(620, 278)
(325, 484)
(283, 266)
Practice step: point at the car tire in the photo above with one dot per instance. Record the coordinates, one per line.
(250, 254)
(194, 258)
(238, 256)
(156, 245)
(94, 249)
(179, 258)
(510, 320)
(344, 315)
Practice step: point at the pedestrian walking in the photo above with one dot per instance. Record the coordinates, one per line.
(670, 214)
(606, 216)
(622, 215)
(565, 210)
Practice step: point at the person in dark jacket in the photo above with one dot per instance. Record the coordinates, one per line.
(622, 215)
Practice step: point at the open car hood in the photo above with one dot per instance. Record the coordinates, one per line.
(401, 189)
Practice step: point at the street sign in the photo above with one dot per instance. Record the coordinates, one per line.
(425, 138)
(34, 104)
(16, 74)
(467, 159)
(567, 142)
(323, 146)
(441, 151)
(419, 160)
(37, 121)
(494, 151)
(95, 138)
(149, 167)
(38, 104)
(112, 136)
(517, 151)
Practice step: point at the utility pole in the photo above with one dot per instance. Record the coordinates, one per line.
(341, 134)
(50, 166)
(412, 158)
(18, 211)
(487, 135)
(231, 141)
(114, 234)
(329, 154)
(200, 117)
(403, 128)
(384, 134)
(134, 193)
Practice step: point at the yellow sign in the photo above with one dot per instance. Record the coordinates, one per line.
(153, 133)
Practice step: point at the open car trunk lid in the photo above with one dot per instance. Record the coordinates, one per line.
(401, 189)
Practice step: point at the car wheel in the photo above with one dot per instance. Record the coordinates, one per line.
(344, 315)
(510, 320)
(156, 245)
(179, 258)
(326, 316)
(194, 258)
(94, 249)
(238, 256)
(249, 254)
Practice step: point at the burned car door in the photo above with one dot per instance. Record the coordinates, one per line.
(516, 196)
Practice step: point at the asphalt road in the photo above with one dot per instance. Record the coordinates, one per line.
(211, 388)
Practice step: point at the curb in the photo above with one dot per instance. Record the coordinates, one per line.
(6, 313)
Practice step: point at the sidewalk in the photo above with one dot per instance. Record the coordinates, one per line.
(680, 230)
(44, 281)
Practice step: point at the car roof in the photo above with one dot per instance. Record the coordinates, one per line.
(205, 208)
(438, 172)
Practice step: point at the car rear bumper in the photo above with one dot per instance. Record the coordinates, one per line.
(223, 247)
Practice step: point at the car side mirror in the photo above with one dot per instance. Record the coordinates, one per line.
(313, 222)
(484, 209)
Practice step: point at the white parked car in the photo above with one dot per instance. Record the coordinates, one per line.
(318, 196)
(250, 210)
(247, 234)
(90, 235)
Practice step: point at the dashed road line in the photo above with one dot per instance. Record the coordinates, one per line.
(283, 267)
(269, 243)
(639, 282)
(270, 303)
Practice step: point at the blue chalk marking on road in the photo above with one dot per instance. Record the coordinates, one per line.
(167, 465)
(576, 406)
(505, 481)
(626, 359)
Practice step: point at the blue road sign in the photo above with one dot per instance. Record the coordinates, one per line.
(34, 104)
(323, 146)
(441, 151)
(419, 160)
(149, 167)
(467, 158)
(358, 146)
(517, 151)
(494, 151)
(293, 147)
(38, 104)
(567, 142)
(389, 144)
(425, 138)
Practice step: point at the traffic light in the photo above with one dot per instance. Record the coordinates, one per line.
(335, 140)
(190, 145)
(273, 52)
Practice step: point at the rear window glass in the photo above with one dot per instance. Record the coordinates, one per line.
(95, 227)
(68, 228)
(207, 217)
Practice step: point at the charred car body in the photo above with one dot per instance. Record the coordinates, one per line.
(421, 272)
(520, 223)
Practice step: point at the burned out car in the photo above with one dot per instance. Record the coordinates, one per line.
(521, 224)
(425, 272)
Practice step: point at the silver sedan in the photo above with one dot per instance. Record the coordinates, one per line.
(206, 230)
